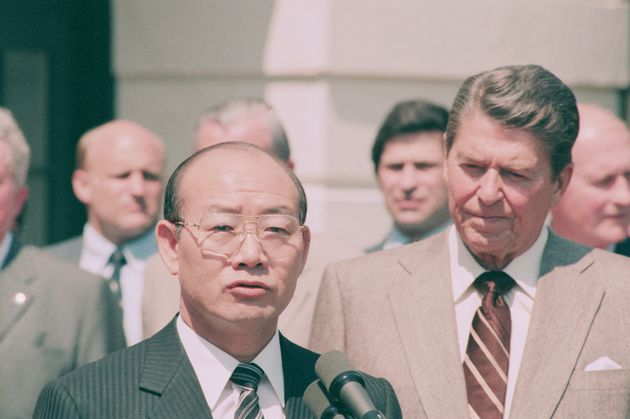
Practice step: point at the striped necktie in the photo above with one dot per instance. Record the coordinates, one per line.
(247, 376)
(487, 358)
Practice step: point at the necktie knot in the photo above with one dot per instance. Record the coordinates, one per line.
(495, 282)
(117, 258)
(247, 375)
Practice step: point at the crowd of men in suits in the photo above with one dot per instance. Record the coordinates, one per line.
(474, 305)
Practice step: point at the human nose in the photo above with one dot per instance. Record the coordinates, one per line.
(621, 191)
(408, 180)
(249, 252)
(136, 183)
(489, 190)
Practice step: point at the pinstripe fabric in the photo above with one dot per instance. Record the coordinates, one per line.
(154, 379)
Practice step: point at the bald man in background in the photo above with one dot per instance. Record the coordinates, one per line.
(595, 209)
(255, 122)
(119, 178)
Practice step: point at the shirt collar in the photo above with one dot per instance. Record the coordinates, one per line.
(524, 269)
(217, 366)
(99, 249)
(5, 246)
(398, 238)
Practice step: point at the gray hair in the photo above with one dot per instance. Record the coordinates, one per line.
(237, 110)
(11, 135)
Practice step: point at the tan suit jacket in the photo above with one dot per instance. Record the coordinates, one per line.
(161, 291)
(392, 312)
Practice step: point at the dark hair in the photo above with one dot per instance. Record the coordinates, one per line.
(408, 117)
(525, 97)
(172, 203)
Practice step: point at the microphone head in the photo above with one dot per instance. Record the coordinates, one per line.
(334, 369)
(316, 400)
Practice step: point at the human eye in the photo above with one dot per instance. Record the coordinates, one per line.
(121, 175)
(606, 182)
(218, 225)
(150, 176)
(396, 167)
(425, 166)
(277, 226)
(511, 174)
(472, 169)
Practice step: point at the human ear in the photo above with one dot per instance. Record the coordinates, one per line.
(167, 239)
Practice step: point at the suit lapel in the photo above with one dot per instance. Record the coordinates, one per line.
(568, 296)
(424, 312)
(168, 374)
(298, 366)
(16, 296)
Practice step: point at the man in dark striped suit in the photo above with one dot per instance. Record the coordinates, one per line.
(234, 234)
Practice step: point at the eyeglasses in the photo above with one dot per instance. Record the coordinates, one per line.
(223, 233)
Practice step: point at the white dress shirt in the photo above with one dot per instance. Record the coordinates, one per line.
(214, 367)
(95, 255)
(524, 270)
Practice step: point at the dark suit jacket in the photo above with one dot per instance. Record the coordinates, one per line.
(623, 248)
(54, 317)
(392, 313)
(155, 379)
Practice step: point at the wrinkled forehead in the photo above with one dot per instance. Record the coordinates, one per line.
(234, 178)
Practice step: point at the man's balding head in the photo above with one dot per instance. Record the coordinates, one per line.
(248, 120)
(595, 209)
(119, 174)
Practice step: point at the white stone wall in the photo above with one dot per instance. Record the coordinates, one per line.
(333, 68)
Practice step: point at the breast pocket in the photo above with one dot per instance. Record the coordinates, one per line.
(596, 394)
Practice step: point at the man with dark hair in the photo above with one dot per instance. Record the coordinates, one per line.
(54, 317)
(497, 316)
(234, 235)
(408, 161)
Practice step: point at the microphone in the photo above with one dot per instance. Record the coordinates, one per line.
(346, 385)
(316, 400)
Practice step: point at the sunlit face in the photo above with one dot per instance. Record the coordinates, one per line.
(121, 184)
(251, 284)
(11, 197)
(500, 189)
(595, 210)
(411, 175)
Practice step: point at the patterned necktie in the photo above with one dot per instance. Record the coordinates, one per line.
(487, 356)
(117, 260)
(247, 376)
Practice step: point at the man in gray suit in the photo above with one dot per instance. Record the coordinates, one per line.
(53, 316)
(255, 122)
(496, 316)
(234, 235)
(119, 178)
